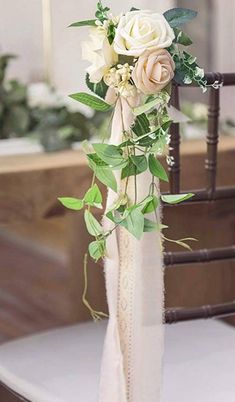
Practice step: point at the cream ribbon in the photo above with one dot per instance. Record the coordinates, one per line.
(133, 349)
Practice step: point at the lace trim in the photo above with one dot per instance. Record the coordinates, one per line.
(125, 306)
(126, 291)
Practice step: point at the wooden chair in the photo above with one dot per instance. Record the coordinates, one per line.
(63, 365)
(211, 194)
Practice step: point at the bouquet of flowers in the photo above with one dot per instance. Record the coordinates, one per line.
(135, 55)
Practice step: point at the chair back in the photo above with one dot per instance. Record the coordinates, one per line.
(208, 194)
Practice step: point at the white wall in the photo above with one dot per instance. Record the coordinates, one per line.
(21, 33)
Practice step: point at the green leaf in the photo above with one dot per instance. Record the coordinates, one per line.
(150, 226)
(93, 197)
(157, 169)
(109, 154)
(71, 203)
(135, 165)
(140, 162)
(176, 198)
(99, 89)
(115, 219)
(147, 106)
(132, 220)
(93, 226)
(102, 172)
(91, 101)
(96, 161)
(182, 38)
(179, 16)
(83, 23)
(150, 204)
(135, 222)
(97, 249)
(18, 119)
(141, 125)
(129, 170)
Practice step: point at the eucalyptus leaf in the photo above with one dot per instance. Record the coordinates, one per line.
(71, 203)
(92, 101)
(83, 23)
(182, 38)
(179, 16)
(176, 198)
(93, 226)
(157, 169)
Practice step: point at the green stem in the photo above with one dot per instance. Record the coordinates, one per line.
(96, 315)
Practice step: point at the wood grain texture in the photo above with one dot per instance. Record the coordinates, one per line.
(30, 184)
(34, 292)
(35, 183)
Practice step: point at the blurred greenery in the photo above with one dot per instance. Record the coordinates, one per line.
(54, 125)
(14, 112)
(197, 126)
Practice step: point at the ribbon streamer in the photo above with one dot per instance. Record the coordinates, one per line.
(131, 368)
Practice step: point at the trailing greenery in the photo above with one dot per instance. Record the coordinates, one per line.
(146, 140)
(133, 156)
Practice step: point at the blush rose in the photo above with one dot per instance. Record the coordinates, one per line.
(153, 71)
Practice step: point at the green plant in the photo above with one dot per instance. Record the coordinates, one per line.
(14, 111)
(57, 128)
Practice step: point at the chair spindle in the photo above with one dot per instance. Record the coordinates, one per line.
(175, 145)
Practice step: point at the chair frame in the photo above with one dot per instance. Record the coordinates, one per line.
(211, 193)
(8, 395)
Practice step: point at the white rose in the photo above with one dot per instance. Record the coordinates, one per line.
(141, 30)
(99, 53)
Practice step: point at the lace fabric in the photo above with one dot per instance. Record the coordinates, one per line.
(133, 349)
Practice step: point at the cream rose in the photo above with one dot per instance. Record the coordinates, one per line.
(153, 71)
(99, 53)
(141, 30)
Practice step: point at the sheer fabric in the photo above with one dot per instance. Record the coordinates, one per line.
(132, 356)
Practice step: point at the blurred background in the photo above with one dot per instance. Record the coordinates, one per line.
(41, 247)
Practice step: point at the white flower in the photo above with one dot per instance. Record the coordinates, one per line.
(126, 89)
(43, 96)
(119, 78)
(112, 78)
(141, 30)
(99, 53)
